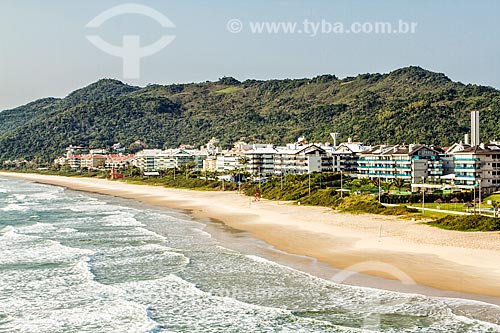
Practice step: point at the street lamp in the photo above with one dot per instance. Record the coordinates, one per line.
(423, 196)
(259, 177)
(474, 201)
(341, 185)
(479, 196)
(309, 173)
(379, 201)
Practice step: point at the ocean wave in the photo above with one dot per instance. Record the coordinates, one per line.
(205, 312)
(66, 230)
(432, 314)
(147, 232)
(37, 228)
(121, 219)
(14, 207)
(18, 248)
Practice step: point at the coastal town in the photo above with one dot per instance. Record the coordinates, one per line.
(464, 165)
(250, 166)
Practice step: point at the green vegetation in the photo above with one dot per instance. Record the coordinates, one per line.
(467, 223)
(493, 197)
(229, 90)
(407, 105)
(323, 192)
(296, 187)
(182, 182)
(366, 204)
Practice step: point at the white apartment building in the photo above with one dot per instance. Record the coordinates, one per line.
(157, 159)
(301, 159)
(412, 163)
(478, 165)
(345, 157)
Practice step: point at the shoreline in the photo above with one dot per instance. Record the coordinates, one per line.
(449, 262)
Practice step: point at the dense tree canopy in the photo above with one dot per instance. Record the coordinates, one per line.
(408, 105)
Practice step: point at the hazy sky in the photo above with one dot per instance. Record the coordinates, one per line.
(44, 51)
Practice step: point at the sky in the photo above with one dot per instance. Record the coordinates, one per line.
(44, 51)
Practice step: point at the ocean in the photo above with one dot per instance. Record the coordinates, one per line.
(78, 262)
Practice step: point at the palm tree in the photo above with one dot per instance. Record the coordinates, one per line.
(364, 181)
(387, 186)
(399, 183)
(375, 181)
(495, 205)
(189, 166)
(243, 160)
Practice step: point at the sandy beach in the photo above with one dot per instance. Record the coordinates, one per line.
(383, 246)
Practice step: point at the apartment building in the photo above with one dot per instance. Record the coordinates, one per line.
(412, 163)
(92, 161)
(478, 165)
(259, 160)
(345, 157)
(301, 159)
(157, 159)
(119, 161)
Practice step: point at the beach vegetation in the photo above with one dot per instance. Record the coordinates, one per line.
(467, 223)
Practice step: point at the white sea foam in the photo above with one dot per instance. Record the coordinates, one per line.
(19, 197)
(147, 232)
(14, 207)
(7, 231)
(84, 267)
(208, 313)
(120, 219)
(37, 228)
(201, 232)
(66, 230)
(20, 248)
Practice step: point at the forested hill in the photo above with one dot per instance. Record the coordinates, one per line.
(405, 106)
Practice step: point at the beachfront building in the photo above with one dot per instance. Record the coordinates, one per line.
(73, 157)
(228, 160)
(411, 163)
(447, 158)
(301, 159)
(157, 159)
(264, 160)
(119, 161)
(92, 161)
(210, 163)
(74, 161)
(478, 166)
(345, 157)
(259, 160)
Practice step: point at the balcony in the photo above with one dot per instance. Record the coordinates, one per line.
(376, 161)
(465, 167)
(465, 177)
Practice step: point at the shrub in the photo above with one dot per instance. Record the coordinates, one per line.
(467, 223)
